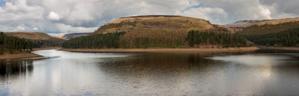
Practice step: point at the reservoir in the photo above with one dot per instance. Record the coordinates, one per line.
(155, 74)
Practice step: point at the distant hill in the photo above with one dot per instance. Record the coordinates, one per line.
(249, 23)
(268, 29)
(32, 35)
(276, 32)
(283, 38)
(40, 39)
(74, 35)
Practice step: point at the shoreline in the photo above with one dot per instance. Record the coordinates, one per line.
(47, 48)
(33, 56)
(24, 55)
(165, 50)
(29, 56)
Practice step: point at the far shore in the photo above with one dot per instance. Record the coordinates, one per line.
(283, 49)
(33, 56)
(164, 50)
(46, 48)
(30, 56)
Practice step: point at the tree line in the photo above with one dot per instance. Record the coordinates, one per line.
(268, 29)
(215, 39)
(288, 38)
(109, 40)
(46, 43)
(165, 39)
(9, 44)
(161, 38)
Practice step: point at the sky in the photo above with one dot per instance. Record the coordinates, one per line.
(72, 16)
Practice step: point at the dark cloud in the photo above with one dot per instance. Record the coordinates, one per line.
(282, 8)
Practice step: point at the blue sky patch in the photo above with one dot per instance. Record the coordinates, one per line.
(2, 2)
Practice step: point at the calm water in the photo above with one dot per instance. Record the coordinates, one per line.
(76, 74)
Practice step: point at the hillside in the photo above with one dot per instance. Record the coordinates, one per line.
(32, 35)
(268, 29)
(155, 23)
(9, 44)
(287, 38)
(277, 32)
(249, 23)
(39, 39)
(157, 31)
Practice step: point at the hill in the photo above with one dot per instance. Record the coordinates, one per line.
(286, 38)
(40, 39)
(277, 32)
(32, 35)
(156, 31)
(155, 23)
(10, 44)
(249, 23)
(268, 29)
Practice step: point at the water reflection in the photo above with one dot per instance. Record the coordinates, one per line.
(15, 68)
(105, 74)
(160, 74)
(267, 74)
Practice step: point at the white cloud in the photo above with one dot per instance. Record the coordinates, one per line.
(265, 12)
(20, 28)
(87, 15)
(53, 16)
(35, 28)
(71, 29)
(215, 14)
(19, 10)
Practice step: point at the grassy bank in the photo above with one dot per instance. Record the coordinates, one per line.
(165, 50)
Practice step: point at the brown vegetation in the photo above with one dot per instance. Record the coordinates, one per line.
(155, 23)
(269, 29)
(157, 31)
(39, 39)
(21, 56)
(249, 23)
(32, 35)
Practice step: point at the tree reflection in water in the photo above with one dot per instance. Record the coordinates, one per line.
(15, 68)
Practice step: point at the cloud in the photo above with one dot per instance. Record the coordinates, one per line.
(65, 16)
(71, 29)
(53, 16)
(282, 8)
(208, 13)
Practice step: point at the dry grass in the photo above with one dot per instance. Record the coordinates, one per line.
(20, 56)
(154, 23)
(32, 35)
(160, 30)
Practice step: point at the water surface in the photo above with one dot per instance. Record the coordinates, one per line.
(108, 74)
